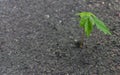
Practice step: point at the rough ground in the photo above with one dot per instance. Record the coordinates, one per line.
(37, 37)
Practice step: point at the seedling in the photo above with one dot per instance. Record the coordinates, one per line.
(87, 20)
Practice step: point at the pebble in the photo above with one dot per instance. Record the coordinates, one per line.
(67, 74)
(72, 10)
(119, 14)
(16, 40)
(103, 2)
(116, 1)
(71, 37)
(97, 5)
(75, 40)
(90, 5)
(118, 67)
(10, 53)
(60, 21)
(109, 4)
(47, 16)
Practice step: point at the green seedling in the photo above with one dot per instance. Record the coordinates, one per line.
(87, 20)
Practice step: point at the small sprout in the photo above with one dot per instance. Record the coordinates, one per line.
(87, 20)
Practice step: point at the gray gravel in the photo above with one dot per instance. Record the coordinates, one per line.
(37, 38)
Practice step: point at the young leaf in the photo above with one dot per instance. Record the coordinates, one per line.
(83, 20)
(91, 20)
(101, 26)
(88, 27)
(82, 14)
(88, 20)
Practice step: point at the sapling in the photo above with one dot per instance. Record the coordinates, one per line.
(87, 20)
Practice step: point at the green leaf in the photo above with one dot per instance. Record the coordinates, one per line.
(101, 26)
(88, 20)
(83, 21)
(88, 27)
(82, 14)
(91, 20)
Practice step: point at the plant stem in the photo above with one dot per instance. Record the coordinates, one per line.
(82, 40)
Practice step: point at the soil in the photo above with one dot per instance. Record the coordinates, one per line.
(38, 37)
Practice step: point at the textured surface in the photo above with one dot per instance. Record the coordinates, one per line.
(37, 38)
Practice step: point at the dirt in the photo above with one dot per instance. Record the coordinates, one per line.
(38, 37)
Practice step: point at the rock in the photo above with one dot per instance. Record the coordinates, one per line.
(47, 16)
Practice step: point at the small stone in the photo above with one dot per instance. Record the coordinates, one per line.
(10, 53)
(72, 10)
(75, 40)
(60, 21)
(47, 16)
(116, 1)
(118, 67)
(71, 37)
(16, 40)
(103, 2)
(67, 74)
(90, 5)
(117, 14)
(97, 5)
(113, 68)
(56, 10)
(109, 4)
